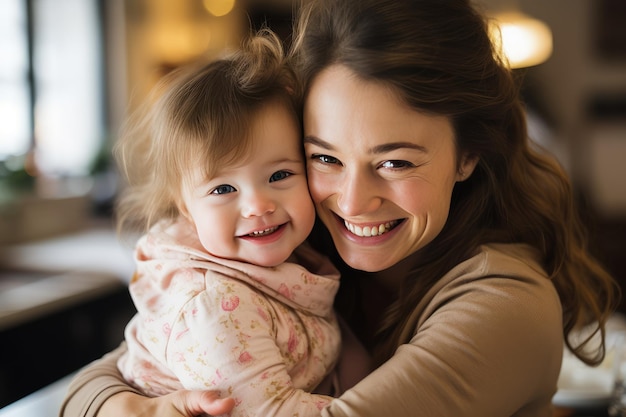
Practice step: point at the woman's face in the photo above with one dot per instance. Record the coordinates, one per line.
(380, 173)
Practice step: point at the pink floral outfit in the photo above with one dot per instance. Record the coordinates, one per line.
(264, 336)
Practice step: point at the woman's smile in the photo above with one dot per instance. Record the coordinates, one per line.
(367, 231)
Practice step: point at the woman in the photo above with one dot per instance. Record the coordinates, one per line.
(445, 217)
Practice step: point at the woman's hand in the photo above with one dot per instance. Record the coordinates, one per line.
(183, 403)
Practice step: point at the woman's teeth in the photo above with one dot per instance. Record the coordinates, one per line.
(368, 231)
(264, 232)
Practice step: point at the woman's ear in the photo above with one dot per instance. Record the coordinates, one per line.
(466, 166)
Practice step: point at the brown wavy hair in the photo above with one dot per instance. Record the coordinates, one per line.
(198, 114)
(437, 54)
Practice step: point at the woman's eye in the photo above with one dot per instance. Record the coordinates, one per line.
(325, 159)
(223, 189)
(279, 175)
(397, 164)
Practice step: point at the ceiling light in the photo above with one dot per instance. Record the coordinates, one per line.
(523, 40)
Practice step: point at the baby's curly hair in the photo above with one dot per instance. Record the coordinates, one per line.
(198, 114)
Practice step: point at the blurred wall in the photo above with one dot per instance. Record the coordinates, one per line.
(581, 90)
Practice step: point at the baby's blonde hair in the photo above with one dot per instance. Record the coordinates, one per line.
(201, 114)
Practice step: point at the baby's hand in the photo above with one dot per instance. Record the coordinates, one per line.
(183, 403)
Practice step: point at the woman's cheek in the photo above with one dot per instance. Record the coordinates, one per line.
(318, 186)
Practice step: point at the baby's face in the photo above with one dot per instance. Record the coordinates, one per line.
(260, 210)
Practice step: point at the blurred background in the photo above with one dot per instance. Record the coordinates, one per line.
(71, 70)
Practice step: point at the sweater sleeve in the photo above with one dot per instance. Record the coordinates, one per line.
(491, 347)
(93, 385)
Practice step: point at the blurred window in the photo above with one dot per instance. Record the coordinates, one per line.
(15, 113)
(51, 92)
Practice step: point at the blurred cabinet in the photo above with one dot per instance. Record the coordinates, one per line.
(65, 321)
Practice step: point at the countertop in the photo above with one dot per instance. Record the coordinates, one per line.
(41, 277)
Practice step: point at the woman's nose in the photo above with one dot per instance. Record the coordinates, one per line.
(358, 194)
(258, 203)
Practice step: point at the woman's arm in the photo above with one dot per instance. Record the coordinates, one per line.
(98, 390)
(93, 385)
(486, 348)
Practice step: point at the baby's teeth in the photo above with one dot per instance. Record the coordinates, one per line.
(264, 232)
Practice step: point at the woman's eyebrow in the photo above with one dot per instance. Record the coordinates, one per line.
(314, 140)
(378, 149)
(392, 146)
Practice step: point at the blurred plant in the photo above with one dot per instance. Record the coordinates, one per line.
(15, 178)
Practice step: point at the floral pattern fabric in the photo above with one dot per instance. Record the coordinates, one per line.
(264, 336)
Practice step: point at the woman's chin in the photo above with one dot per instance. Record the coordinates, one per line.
(366, 262)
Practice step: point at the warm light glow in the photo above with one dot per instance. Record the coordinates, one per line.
(219, 7)
(177, 42)
(524, 41)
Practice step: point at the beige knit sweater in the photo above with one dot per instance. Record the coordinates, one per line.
(486, 341)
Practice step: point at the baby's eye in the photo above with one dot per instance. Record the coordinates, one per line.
(325, 159)
(223, 189)
(397, 164)
(279, 175)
